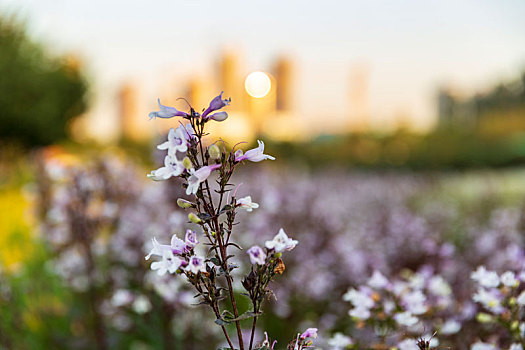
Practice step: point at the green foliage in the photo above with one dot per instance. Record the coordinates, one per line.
(39, 95)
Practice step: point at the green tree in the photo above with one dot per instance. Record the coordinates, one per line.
(39, 94)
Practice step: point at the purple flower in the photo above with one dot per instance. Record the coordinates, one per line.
(196, 265)
(166, 112)
(215, 104)
(257, 255)
(191, 239)
(254, 155)
(198, 176)
(309, 333)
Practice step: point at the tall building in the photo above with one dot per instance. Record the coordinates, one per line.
(358, 98)
(284, 85)
(231, 80)
(134, 124)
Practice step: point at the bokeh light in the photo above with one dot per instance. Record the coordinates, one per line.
(258, 84)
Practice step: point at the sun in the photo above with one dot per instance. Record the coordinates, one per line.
(258, 84)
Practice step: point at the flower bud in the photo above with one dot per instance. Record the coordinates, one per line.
(483, 317)
(194, 218)
(214, 151)
(219, 117)
(184, 204)
(512, 301)
(186, 162)
(278, 255)
(514, 325)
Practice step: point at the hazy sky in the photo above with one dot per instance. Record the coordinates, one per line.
(410, 47)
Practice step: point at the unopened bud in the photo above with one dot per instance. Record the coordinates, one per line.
(512, 301)
(219, 116)
(194, 218)
(186, 162)
(483, 317)
(214, 151)
(514, 325)
(278, 255)
(184, 204)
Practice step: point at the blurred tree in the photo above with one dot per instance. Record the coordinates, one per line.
(39, 94)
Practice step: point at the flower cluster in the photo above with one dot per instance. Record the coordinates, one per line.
(212, 273)
(502, 298)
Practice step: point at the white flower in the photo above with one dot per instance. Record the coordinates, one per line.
(516, 346)
(417, 281)
(121, 297)
(508, 279)
(141, 305)
(408, 344)
(488, 279)
(358, 298)
(257, 255)
(246, 203)
(172, 167)
(521, 298)
(406, 319)
(177, 141)
(450, 327)
(489, 300)
(339, 341)
(483, 346)
(378, 281)
(254, 155)
(196, 265)
(199, 176)
(169, 263)
(360, 312)
(177, 246)
(438, 286)
(415, 302)
(281, 242)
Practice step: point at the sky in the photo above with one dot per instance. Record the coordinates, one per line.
(409, 47)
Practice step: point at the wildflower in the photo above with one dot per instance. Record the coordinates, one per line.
(169, 263)
(199, 176)
(309, 333)
(406, 319)
(191, 239)
(196, 265)
(177, 246)
(490, 300)
(483, 346)
(516, 346)
(438, 286)
(408, 344)
(246, 203)
(176, 141)
(257, 255)
(488, 279)
(254, 155)
(216, 104)
(360, 312)
(121, 297)
(378, 281)
(450, 327)
(172, 167)
(359, 298)
(266, 342)
(508, 279)
(281, 242)
(166, 112)
(415, 302)
(141, 305)
(521, 299)
(339, 341)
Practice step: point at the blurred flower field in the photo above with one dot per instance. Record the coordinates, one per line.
(60, 290)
